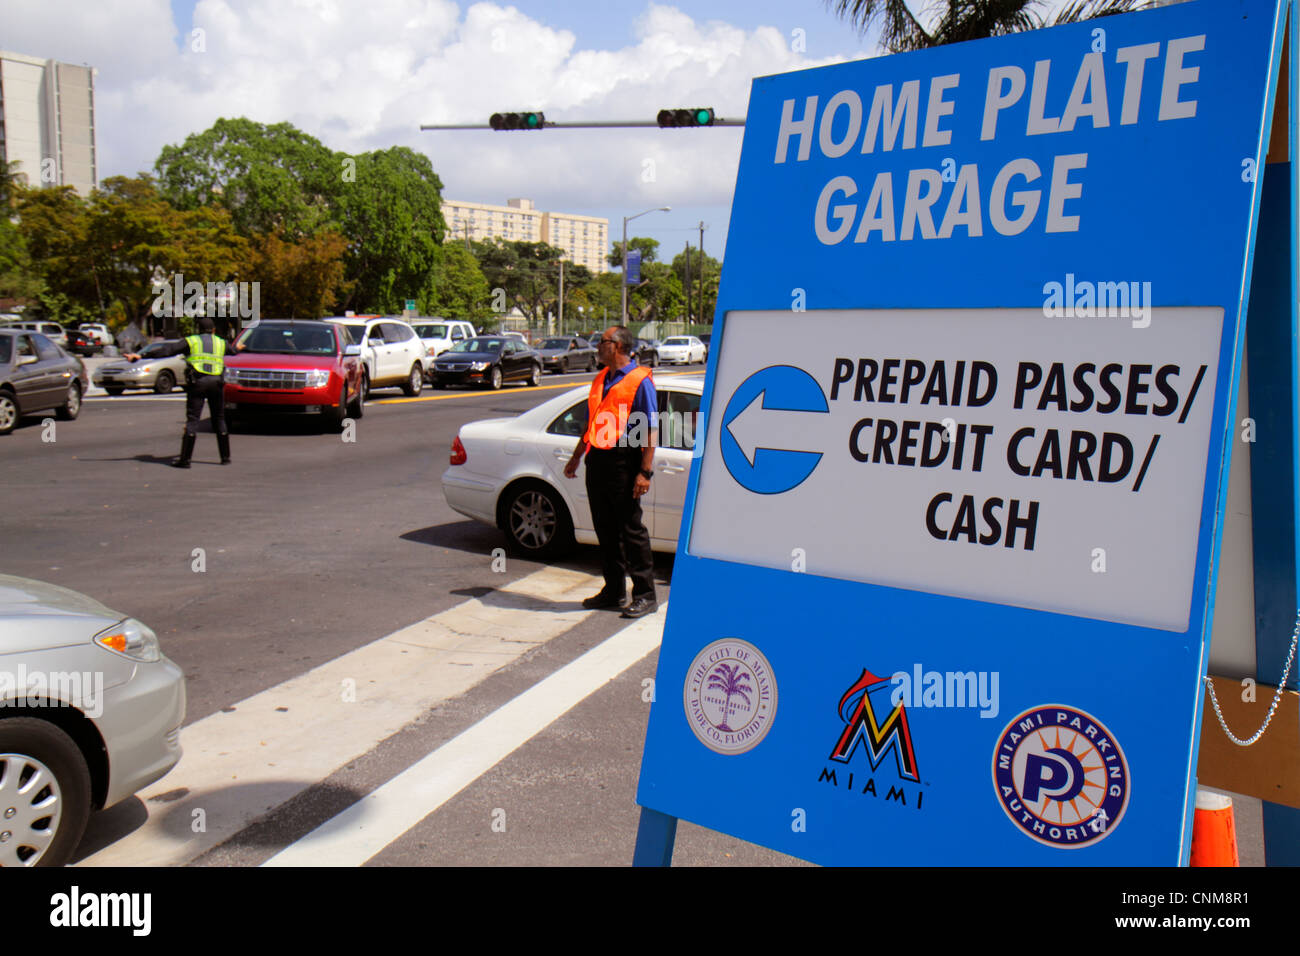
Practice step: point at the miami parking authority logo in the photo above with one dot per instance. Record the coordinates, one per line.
(1061, 776)
(730, 696)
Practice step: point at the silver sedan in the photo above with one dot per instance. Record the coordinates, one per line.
(90, 713)
(151, 370)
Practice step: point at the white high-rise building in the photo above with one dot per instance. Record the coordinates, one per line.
(47, 121)
(585, 239)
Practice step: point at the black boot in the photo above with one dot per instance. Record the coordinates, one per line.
(187, 449)
(223, 445)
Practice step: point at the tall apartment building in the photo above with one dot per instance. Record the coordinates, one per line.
(47, 121)
(585, 239)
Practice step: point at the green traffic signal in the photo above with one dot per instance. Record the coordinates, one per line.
(508, 121)
(674, 118)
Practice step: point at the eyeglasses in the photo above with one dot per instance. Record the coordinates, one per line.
(606, 342)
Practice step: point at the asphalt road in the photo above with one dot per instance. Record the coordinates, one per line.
(313, 547)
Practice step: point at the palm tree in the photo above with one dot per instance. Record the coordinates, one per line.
(901, 31)
(728, 679)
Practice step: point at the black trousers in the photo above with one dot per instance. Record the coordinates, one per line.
(211, 389)
(616, 513)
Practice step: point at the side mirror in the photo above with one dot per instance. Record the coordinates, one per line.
(351, 350)
(26, 359)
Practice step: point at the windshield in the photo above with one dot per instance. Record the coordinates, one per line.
(480, 345)
(677, 342)
(6, 347)
(556, 343)
(153, 351)
(431, 331)
(288, 340)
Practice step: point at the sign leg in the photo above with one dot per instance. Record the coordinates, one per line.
(655, 837)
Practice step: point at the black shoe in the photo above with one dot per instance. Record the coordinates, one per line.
(223, 445)
(180, 463)
(604, 599)
(641, 606)
(187, 449)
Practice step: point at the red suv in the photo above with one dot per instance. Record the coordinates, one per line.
(286, 366)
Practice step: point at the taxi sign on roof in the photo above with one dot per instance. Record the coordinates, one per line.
(947, 563)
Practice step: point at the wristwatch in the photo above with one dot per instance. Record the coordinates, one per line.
(647, 474)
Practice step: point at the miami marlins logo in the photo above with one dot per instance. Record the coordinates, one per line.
(859, 708)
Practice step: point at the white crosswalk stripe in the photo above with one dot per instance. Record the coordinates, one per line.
(239, 765)
(365, 828)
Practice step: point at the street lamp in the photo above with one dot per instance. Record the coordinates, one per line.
(626, 219)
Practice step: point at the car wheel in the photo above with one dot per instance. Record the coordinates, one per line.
(71, 408)
(537, 521)
(365, 386)
(414, 382)
(357, 407)
(591, 364)
(334, 414)
(496, 377)
(114, 389)
(165, 382)
(45, 790)
(9, 412)
(536, 378)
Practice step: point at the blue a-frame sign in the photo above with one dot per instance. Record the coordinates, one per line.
(947, 567)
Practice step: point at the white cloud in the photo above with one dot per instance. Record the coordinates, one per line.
(367, 80)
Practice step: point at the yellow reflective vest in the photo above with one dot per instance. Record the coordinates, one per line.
(206, 363)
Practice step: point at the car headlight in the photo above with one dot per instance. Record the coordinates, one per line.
(317, 377)
(480, 366)
(131, 639)
(230, 375)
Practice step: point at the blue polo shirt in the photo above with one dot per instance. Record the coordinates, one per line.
(647, 399)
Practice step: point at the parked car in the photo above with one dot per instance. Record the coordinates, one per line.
(80, 343)
(295, 367)
(509, 472)
(566, 353)
(104, 724)
(647, 352)
(487, 360)
(438, 335)
(98, 331)
(51, 330)
(391, 353)
(681, 350)
(36, 376)
(151, 370)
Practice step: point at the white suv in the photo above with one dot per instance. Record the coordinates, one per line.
(438, 335)
(391, 352)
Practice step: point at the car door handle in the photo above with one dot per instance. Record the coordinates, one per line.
(561, 455)
(669, 468)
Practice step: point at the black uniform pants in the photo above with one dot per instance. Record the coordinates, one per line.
(616, 514)
(211, 389)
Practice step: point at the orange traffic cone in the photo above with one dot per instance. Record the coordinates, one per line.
(1214, 833)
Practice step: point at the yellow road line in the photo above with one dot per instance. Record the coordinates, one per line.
(489, 392)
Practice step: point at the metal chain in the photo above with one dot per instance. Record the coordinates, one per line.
(1277, 697)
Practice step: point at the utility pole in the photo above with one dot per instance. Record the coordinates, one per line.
(688, 282)
(561, 328)
(702, 228)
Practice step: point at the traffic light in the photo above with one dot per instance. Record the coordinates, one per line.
(501, 121)
(698, 116)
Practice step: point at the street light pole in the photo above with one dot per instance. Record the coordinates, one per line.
(626, 219)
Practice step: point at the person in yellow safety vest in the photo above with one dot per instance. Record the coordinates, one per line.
(619, 447)
(204, 364)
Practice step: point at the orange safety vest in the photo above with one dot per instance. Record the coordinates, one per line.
(604, 414)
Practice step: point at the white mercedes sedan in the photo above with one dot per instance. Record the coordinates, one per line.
(682, 350)
(509, 472)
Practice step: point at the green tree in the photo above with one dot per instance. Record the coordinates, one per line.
(649, 250)
(712, 272)
(528, 272)
(659, 296)
(460, 290)
(392, 215)
(53, 225)
(271, 179)
(901, 31)
(300, 279)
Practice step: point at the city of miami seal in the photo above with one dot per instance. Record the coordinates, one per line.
(730, 696)
(1061, 776)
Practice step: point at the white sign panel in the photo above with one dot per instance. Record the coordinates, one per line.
(1044, 458)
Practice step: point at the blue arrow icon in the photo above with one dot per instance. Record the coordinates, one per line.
(757, 466)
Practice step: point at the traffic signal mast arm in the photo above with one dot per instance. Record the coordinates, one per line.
(667, 119)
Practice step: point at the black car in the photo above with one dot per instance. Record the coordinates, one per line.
(565, 353)
(487, 360)
(81, 343)
(35, 376)
(647, 352)
(705, 339)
